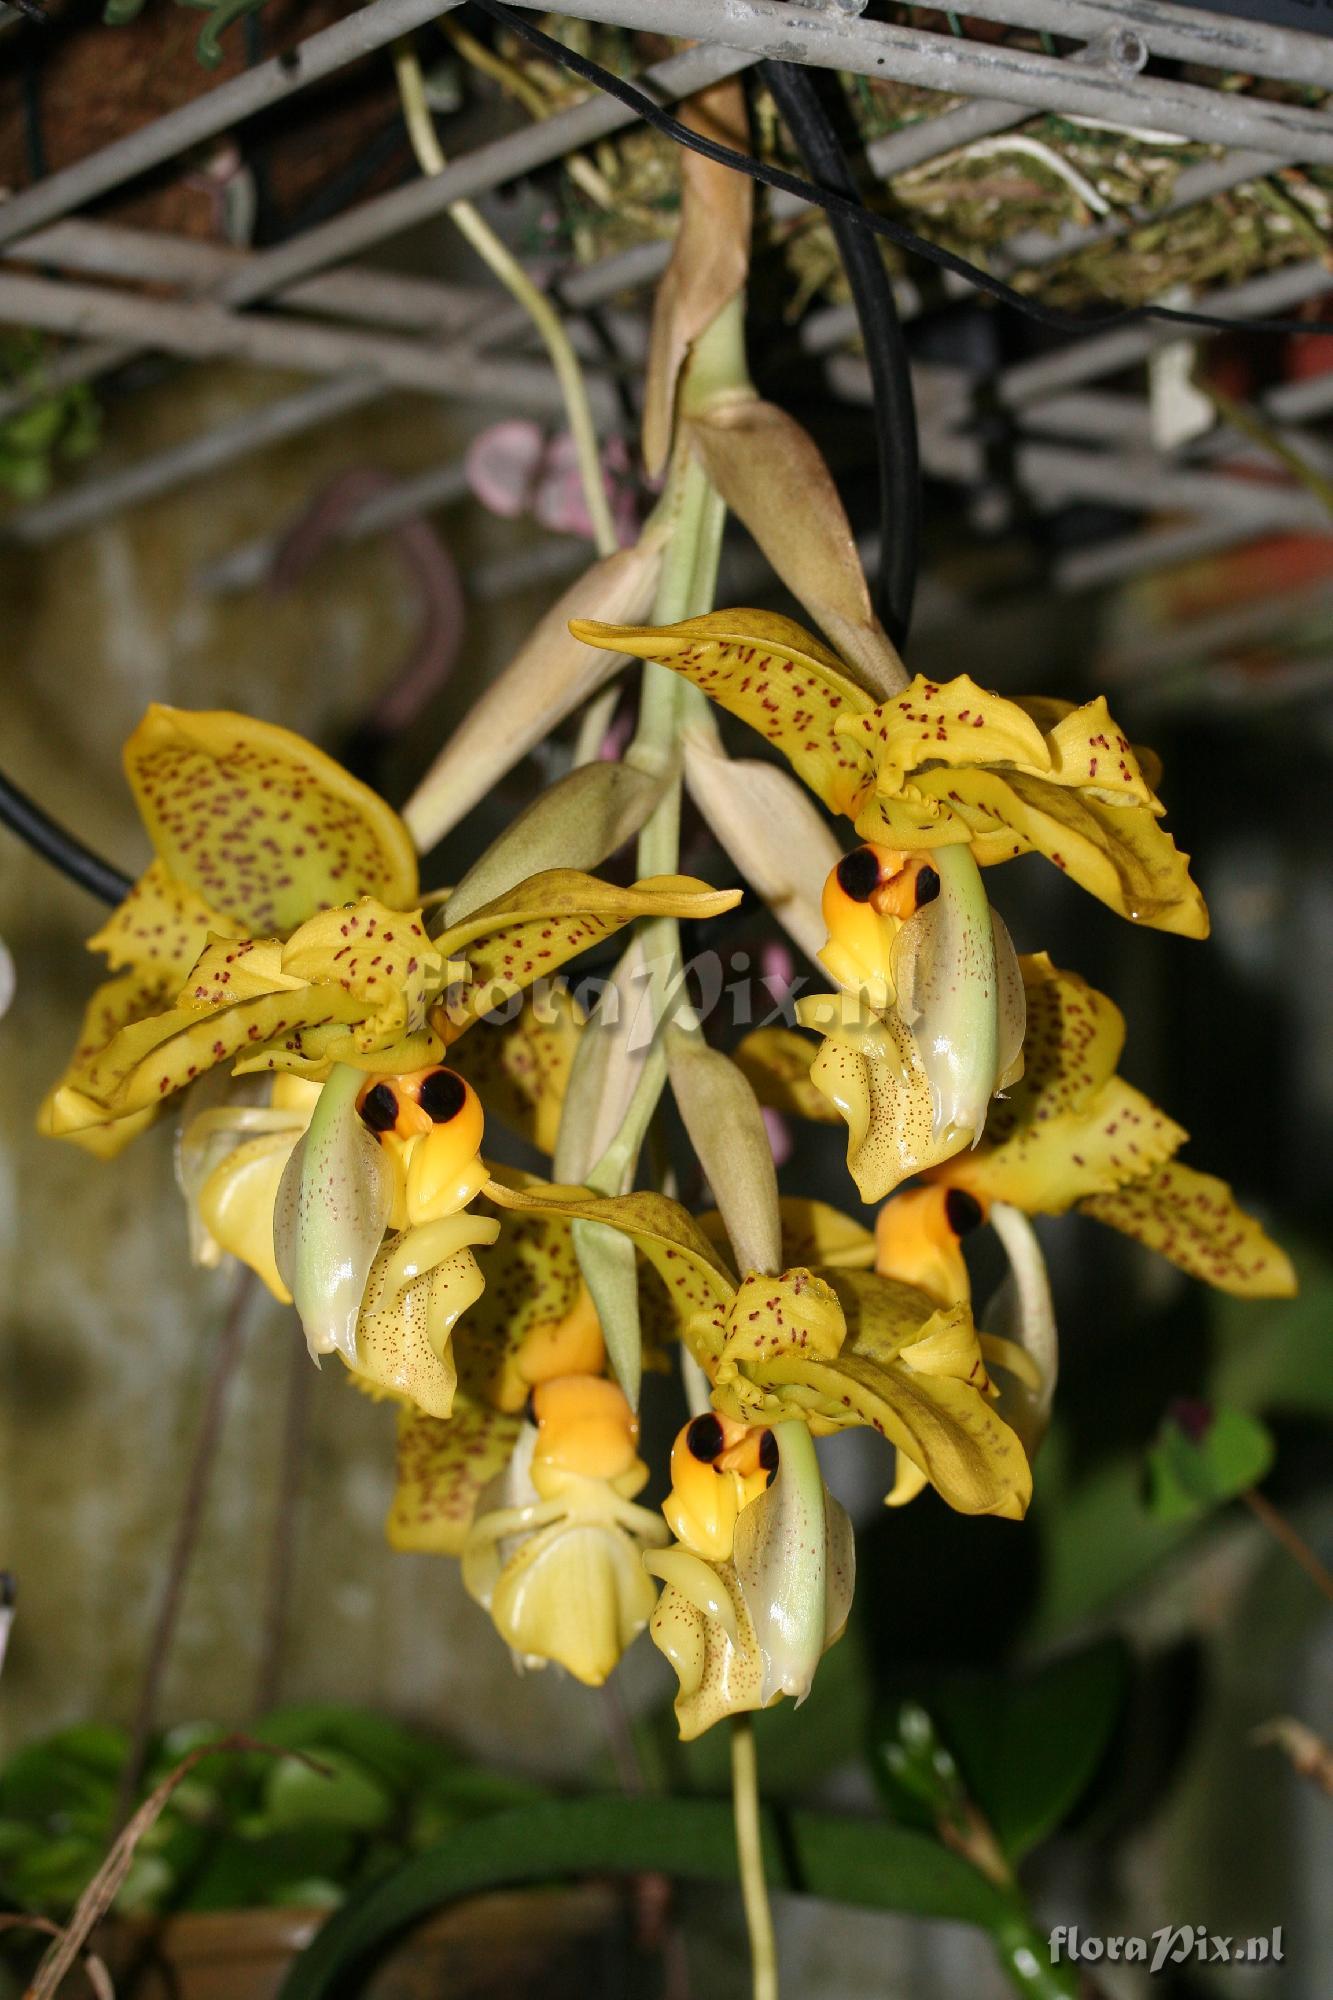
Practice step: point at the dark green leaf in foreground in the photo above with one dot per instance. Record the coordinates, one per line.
(844, 1860)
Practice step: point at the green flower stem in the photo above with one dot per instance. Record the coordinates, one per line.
(750, 1859)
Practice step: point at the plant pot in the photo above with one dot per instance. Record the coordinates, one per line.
(508, 1943)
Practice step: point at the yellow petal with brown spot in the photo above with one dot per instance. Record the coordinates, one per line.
(528, 933)
(796, 1313)
(945, 722)
(1196, 1221)
(441, 1469)
(772, 674)
(521, 1070)
(403, 1336)
(69, 1111)
(1119, 853)
(265, 827)
(162, 924)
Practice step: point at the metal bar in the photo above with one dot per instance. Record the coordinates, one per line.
(207, 331)
(217, 111)
(833, 39)
(209, 452)
(384, 298)
(1053, 474)
(1188, 34)
(488, 167)
(1153, 548)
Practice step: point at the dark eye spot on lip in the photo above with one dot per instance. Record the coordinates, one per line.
(705, 1438)
(927, 886)
(379, 1108)
(858, 874)
(443, 1095)
(768, 1453)
(962, 1210)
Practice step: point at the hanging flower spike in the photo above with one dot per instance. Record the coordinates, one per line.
(1072, 1133)
(831, 1348)
(556, 1544)
(929, 1023)
(745, 1615)
(253, 830)
(942, 763)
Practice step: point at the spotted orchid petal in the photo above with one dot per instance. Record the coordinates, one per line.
(333, 1204)
(919, 1379)
(69, 1111)
(1194, 1220)
(774, 675)
(943, 763)
(414, 1296)
(869, 1069)
(442, 1468)
(709, 263)
(831, 1348)
(528, 933)
(260, 824)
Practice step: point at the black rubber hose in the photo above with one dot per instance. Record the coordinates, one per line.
(796, 95)
(70, 856)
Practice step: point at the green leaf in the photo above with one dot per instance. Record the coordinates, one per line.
(342, 1793)
(1027, 1748)
(846, 1860)
(1197, 1466)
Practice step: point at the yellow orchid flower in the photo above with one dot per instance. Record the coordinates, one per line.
(1070, 1134)
(254, 831)
(1073, 1134)
(929, 1022)
(555, 1549)
(758, 1582)
(942, 763)
(831, 1348)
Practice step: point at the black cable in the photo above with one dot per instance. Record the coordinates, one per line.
(899, 465)
(883, 225)
(51, 841)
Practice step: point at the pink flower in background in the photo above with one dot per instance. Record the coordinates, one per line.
(514, 469)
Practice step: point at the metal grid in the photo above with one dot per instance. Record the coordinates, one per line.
(359, 335)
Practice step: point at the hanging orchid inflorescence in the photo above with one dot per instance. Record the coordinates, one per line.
(351, 1061)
